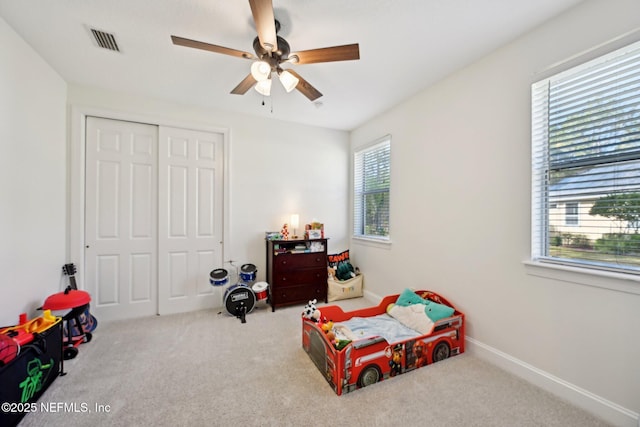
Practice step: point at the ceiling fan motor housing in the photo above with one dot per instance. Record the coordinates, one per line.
(277, 56)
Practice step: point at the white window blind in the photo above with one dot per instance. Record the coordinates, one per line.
(586, 164)
(372, 184)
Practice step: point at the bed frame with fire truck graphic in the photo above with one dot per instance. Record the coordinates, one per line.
(365, 362)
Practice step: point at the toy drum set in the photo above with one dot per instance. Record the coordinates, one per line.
(240, 298)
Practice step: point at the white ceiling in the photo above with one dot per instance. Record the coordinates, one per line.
(405, 45)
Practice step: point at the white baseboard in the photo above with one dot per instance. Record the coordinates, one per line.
(370, 295)
(600, 407)
(592, 403)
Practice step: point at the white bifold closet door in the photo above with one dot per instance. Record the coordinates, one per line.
(190, 218)
(153, 218)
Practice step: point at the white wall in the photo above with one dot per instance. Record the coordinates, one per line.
(275, 169)
(460, 221)
(32, 178)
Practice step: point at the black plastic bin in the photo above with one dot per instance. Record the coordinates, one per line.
(25, 378)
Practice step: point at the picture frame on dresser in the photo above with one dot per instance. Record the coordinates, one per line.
(314, 234)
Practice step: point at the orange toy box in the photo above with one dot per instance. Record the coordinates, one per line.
(402, 333)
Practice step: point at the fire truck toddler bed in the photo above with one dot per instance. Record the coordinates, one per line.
(403, 332)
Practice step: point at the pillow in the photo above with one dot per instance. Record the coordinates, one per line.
(432, 309)
(335, 259)
(411, 316)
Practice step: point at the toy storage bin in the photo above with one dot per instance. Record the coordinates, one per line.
(344, 289)
(25, 378)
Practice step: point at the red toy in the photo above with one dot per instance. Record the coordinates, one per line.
(77, 302)
(285, 232)
(8, 349)
(350, 365)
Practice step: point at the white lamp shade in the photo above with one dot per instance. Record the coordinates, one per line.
(264, 87)
(295, 220)
(260, 70)
(288, 80)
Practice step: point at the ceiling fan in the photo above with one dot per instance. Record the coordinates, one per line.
(271, 52)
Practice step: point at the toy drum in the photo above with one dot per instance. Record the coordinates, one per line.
(219, 277)
(239, 299)
(248, 273)
(261, 289)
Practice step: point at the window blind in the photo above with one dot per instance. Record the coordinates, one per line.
(372, 180)
(586, 164)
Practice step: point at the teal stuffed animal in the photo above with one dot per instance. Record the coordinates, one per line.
(345, 271)
(433, 310)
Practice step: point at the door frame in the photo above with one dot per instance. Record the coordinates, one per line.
(76, 158)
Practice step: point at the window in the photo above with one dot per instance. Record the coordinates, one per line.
(586, 158)
(371, 189)
(571, 213)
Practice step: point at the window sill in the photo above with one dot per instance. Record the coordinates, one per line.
(372, 241)
(620, 282)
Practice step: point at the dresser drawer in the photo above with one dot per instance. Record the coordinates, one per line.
(283, 262)
(299, 294)
(301, 277)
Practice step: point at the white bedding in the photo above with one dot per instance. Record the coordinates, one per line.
(412, 316)
(383, 325)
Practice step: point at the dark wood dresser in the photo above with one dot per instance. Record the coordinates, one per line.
(296, 271)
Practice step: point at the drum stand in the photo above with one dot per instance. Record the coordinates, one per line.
(241, 308)
(241, 312)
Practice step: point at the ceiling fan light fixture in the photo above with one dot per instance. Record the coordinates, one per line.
(288, 80)
(260, 70)
(264, 87)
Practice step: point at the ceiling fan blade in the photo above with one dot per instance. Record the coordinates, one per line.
(305, 87)
(246, 84)
(346, 52)
(181, 41)
(262, 11)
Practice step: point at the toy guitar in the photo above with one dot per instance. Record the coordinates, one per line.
(70, 270)
(89, 322)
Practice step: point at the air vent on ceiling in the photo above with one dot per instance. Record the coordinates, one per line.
(105, 40)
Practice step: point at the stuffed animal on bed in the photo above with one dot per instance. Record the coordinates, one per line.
(433, 310)
(311, 312)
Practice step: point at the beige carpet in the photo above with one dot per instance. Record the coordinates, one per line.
(208, 369)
